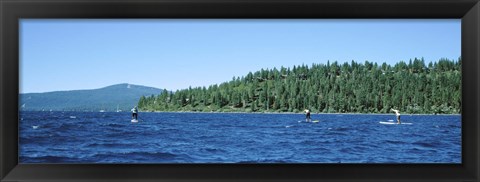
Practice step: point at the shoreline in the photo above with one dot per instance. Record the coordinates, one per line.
(217, 112)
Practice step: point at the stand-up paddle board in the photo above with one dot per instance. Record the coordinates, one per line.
(134, 121)
(383, 122)
(316, 121)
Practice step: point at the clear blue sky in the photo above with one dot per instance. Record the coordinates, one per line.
(174, 54)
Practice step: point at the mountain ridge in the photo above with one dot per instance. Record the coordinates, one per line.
(122, 96)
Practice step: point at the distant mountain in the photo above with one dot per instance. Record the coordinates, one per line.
(124, 96)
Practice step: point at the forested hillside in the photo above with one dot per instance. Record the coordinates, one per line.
(412, 87)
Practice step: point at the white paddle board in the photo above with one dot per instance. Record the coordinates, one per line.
(382, 122)
(134, 121)
(316, 121)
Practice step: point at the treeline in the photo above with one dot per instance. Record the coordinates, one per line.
(412, 87)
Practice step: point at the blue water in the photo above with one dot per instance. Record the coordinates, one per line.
(88, 137)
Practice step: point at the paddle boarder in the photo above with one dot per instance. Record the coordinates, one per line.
(135, 113)
(307, 116)
(398, 115)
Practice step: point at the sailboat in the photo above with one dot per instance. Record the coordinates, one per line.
(118, 110)
(102, 110)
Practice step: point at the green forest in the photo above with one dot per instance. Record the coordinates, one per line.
(412, 87)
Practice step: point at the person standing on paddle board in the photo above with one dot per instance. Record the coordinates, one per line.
(135, 113)
(398, 115)
(307, 117)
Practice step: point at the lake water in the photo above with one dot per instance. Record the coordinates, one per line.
(89, 137)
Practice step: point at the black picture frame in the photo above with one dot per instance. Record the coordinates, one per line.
(13, 10)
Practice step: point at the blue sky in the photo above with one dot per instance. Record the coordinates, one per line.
(174, 54)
